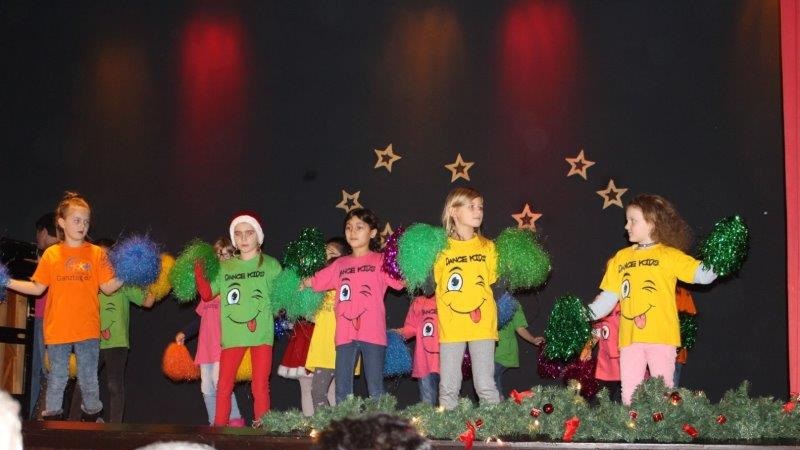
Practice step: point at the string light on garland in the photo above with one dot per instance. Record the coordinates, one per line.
(690, 430)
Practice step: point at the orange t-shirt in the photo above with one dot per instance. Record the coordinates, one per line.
(73, 276)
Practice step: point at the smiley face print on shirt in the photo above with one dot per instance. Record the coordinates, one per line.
(353, 304)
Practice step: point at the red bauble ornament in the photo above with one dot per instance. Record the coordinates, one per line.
(690, 430)
(633, 415)
(658, 416)
(548, 408)
(721, 419)
(675, 398)
(535, 412)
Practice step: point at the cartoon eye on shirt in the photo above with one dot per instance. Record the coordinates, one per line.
(427, 329)
(455, 282)
(604, 332)
(344, 293)
(430, 342)
(109, 310)
(637, 306)
(233, 296)
(242, 308)
(464, 297)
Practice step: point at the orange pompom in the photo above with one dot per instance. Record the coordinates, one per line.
(178, 365)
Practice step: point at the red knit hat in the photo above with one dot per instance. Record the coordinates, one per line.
(248, 217)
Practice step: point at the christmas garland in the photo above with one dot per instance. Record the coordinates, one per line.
(549, 413)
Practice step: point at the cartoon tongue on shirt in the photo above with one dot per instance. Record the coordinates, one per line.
(353, 305)
(464, 298)
(108, 312)
(242, 309)
(634, 306)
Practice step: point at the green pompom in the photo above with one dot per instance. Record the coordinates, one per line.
(286, 295)
(307, 253)
(417, 251)
(725, 249)
(568, 328)
(688, 330)
(521, 260)
(184, 287)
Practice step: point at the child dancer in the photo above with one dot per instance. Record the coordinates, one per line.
(422, 323)
(321, 359)
(361, 285)
(464, 273)
(605, 333)
(642, 279)
(506, 355)
(114, 341)
(72, 270)
(244, 284)
(207, 326)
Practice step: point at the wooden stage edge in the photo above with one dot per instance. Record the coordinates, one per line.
(96, 436)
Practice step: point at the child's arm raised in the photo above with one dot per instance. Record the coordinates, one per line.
(111, 286)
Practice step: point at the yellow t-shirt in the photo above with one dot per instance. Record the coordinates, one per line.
(73, 276)
(322, 348)
(464, 273)
(644, 280)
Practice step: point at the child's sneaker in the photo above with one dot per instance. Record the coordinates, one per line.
(236, 423)
(96, 417)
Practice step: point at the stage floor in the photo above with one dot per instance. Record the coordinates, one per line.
(95, 436)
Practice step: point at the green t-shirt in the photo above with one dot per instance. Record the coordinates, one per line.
(507, 351)
(244, 288)
(115, 315)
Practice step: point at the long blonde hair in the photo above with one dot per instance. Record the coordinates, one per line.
(459, 196)
(70, 199)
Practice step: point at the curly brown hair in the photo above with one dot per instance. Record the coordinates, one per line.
(669, 228)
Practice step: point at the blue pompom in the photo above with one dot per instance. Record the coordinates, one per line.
(281, 326)
(398, 359)
(4, 279)
(136, 260)
(506, 307)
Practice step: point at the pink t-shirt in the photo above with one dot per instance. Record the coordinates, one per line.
(360, 283)
(607, 331)
(39, 306)
(208, 341)
(422, 323)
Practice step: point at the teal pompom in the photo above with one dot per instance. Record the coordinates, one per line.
(568, 328)
(307, 253)
(521, 260)
(287, 295)
(725, 248)
(417, 251)
(397, 359)
(184, 286)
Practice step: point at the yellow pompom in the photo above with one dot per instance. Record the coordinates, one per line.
(73, 364)
(245, 372)
(161, 287)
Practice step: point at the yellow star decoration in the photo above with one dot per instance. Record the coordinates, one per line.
(579, 165)
(387, 231)
(612, 195)
(459, 168)
(349, 201)
(526, 218)
(386, 158)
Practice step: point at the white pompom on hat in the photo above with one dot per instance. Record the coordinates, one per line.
(248, 217)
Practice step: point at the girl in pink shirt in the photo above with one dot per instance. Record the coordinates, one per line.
(422, 323)
(360, 284)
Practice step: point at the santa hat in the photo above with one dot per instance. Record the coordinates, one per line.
(250, 218)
